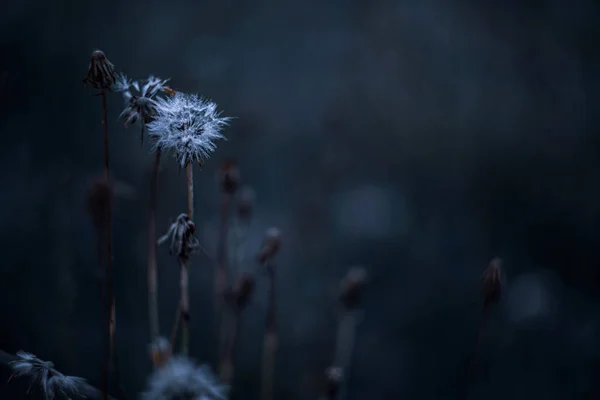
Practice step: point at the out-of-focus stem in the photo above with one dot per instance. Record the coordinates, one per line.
(185, 266)
(231, 325)
(221, 322)
(344, 346)
(270, 342)
(152, 263)
(474, 361)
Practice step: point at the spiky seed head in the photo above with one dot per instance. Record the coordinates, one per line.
(181, 378)
(351, 287)
(229, 177)
(101, 72)
(188, 125)
(99, 203)
(160, 351)
(245, 203)
(493, 281)
(243, 289)
(52, 383)
(270, 246)
(333, 379)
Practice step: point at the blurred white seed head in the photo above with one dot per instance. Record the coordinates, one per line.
(182, 378)
(189, 125)
(43, 374)
(160, 351)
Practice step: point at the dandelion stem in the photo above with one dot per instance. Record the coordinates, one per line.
(474, 361)
(152, 268)
(231, 325)
(185, 266)
(270, 343)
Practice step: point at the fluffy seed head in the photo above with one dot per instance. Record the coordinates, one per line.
(140, 103)
(189, 125)
(181, 378)
(493, 281)
(42, 373)
(270, 246)
(101, 72)
(351, 287)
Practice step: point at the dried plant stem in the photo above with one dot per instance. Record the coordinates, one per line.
(185, 266)
(474, 361)
(231, 325)
(109, 259)
(270, 342)
(152, 263)
(344, 346)
(221, 277)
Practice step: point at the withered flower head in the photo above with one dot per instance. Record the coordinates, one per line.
(243, 289)
(53, 383)
(493, 281)
(99, 202)
(333, 380)
(245, 203)
(181, 232)
(351, 287)
(101, 72)
(140, 102)
(229, 177)
(270, 246)
(160, 351)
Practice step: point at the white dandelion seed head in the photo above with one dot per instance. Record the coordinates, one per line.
(187, 124)
(42, 373)
(140, 104)
(181, 378)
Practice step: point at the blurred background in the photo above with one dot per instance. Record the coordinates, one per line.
(416, 138)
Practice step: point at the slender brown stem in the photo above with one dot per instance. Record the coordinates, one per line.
(231, 326)
(270, 343)
(152, 263)
(221, 277)
(345, 346)
(185, 266)
(474, 361)
(175, 328)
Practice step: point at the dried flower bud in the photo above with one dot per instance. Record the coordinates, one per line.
(160, 351)
(351, 287)
(245, 203)
(333, 380)
(270, 246)
(182, 237)
(243, 289)
(99, 202)
(229, 177)
(492, 282)
(101, 72)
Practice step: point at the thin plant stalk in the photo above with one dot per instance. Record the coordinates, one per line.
(152, 258)
(474, 361)
(270, 341)
(221, 322)
(231, 326)
(344, 346)
(185, 266)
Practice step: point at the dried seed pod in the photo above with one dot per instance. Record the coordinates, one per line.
(229, 177)
(493, 282)
(333, 379)
(101, 72)
(351, 287)
(99, 202)
(245, 203)
(160, 351)
(182, 237)
(243, 289)
(270, 246)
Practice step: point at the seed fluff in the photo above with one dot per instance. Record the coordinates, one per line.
(187, 124)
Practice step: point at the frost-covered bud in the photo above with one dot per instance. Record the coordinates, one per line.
(101, 72)
(351, 287)
(270, 246)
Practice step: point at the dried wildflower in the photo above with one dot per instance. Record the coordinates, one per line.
(351, 287)
(101, 72)
(245, 203)
(181, 378)
(333, 380)
(270, 246)
(229, 177)
(189, 125)
(52, 382)
(181, 232)
(140, 103)
(160, 351)
(493, 280)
